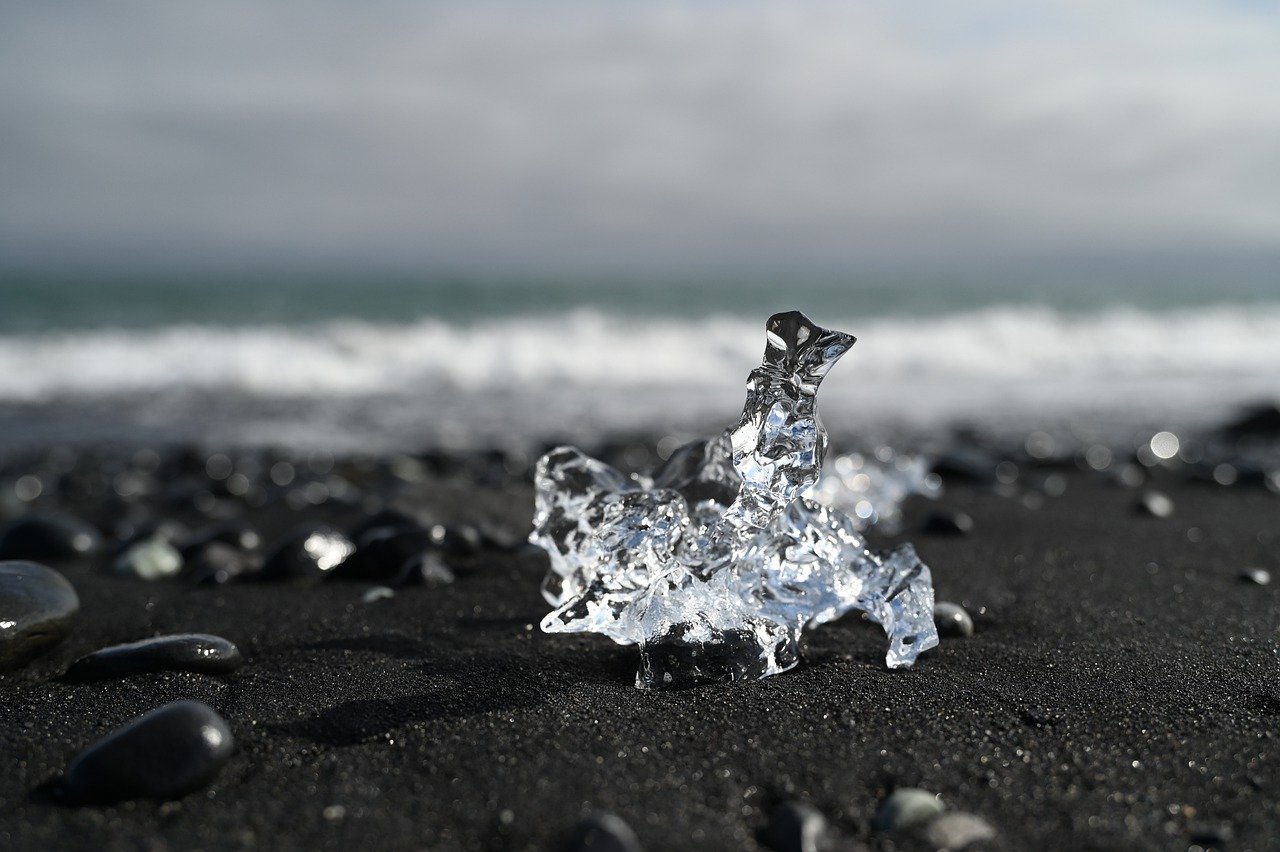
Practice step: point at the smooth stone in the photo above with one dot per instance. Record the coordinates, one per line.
(188, 652)
(952, 620)
(459, 540)
(603, 832)
(48, 536)
(170, 531)
(948, 522)
(383, 519)
(219, 563)
(165, 754)
(1155, 504)
(378, 593)
(311, 553)
(905, 808)
(429, 569)
(152, 559)
(796, 827)
(381, 553)
(957, 831)
(37, 608)
(237, 534)
(1257, 576)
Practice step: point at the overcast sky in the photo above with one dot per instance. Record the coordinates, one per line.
(636, 138)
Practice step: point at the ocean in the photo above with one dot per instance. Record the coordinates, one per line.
(390, 363)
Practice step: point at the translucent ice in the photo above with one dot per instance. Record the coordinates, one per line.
(872, 487)
(715, 564)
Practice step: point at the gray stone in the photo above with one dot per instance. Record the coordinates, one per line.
(907, 807)
(150, 559)
(602, 832)
(957, 831)
(48, 536)
(796, 827)
(191, 652)
(952, 620)
(165, 754)
(1155, 504)
(37, 608)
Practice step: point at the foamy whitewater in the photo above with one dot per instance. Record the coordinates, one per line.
(517, 379)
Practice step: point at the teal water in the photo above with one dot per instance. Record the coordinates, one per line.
(35, 303)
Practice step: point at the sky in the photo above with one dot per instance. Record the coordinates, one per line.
(981, 138)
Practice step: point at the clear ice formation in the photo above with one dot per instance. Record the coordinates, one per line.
(873, 487)
(715, 564)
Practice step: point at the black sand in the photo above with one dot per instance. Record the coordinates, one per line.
(1120, 693)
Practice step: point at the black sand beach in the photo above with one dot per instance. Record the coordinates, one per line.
(1119, 692)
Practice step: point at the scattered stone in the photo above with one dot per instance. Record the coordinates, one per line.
(1257, 576)
(429, 569)
(948, 522)
(460, 540)
(796, 827)
(219, 563)
(1155, 504)
(603, 832)
(165, 754)
(956, 831)
(952, 620)
(150, 559)
(907, 807)
(48, 536)
(378, 593)
(969, 465)
(237, 534)
(189, 652)
(311, 553)
(37, 607)
(381, 553)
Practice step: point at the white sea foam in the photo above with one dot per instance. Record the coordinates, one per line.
(542, 373)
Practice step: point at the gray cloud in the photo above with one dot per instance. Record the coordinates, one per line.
(637, 138)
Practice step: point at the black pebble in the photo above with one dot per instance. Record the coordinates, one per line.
(237, 534)
(190, 652)
(382, 553)
(796, 827)
(602, 833)
(1257, 576)
(952, 620)
(948, 522)
(969, 465)
(311, 553)
(1154, 504)
(37, 607)
(164, 754)
(48, 536)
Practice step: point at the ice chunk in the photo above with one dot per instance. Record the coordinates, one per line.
(872, 488)
(716, 565)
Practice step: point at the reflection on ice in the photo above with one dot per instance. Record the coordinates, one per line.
(715, 564)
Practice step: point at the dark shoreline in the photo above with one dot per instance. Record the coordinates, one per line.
(1120, 691)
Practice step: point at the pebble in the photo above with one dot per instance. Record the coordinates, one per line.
(1155, 504)
(907, 807)
(150, 559)
(188, 652)
(165, 754)
(952, 620)
(237, 534)
(796, 827)
(37, 607)
(957, 831)
(1257, 576)
(378, 593)
(219, 563)
(48, 536)
(311, 553)
(602, 832)
(948, 522)
(969, 465)
(429, 569)
(381, 553)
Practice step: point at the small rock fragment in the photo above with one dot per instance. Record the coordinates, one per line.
(952, 620)
(150, 559)
(956, 831)
(948, 522)
(164, 754)
(311, 553)
(428, 569)
(602, 832)
(796, 827)
(381, 553)
(1257, 576)
(905, 808)
(48, 536)
(1155, 504)
(218, 563)
(190, 652)
(37, 607)
(378, 593)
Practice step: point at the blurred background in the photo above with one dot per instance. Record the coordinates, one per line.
(401, 224)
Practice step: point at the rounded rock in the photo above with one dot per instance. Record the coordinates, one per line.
(48, 536)
(1257, 576)
(310, 553)
(218, 563)
(1155, 504)
(602, 833)
(165, 754)
(957, 831)
(191, 652)
(952, 620)
(796, 827)
(150, 559)
(37, 608)
(907, 807)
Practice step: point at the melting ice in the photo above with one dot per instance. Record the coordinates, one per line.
(715, 564)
